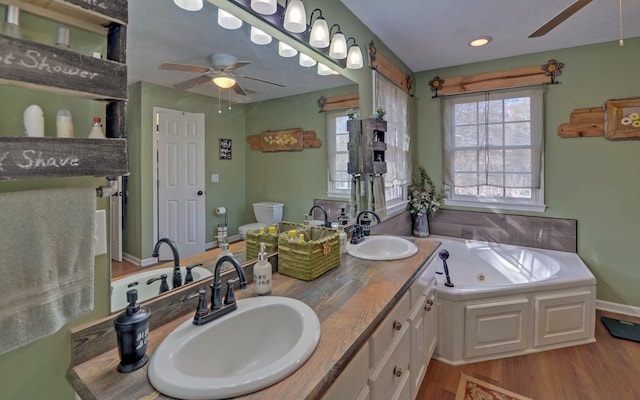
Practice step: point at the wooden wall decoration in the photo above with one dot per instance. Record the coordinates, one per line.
(518, 77)
(616, 120)
(381, 64)
(293, 139)
(343, 102)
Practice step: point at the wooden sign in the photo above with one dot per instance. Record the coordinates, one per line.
(286, 140)
(308, 140)
(115, 10)
(29, 64)
(25, 157)
(622, 119)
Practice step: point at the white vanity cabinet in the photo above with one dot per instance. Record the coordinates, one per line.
(423, 332)
(392, 364)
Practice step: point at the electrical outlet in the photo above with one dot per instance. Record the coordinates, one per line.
(100, 237)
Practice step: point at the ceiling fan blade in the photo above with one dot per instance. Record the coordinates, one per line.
(189, 83)
(261, 80)
(555, 21)
(239, 91)
(183, 67)
(236, 65)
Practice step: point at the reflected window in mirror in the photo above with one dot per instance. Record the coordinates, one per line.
(396, 103)
(338, 154)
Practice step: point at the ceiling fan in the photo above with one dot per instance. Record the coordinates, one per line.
(220, 73)
(558, 19)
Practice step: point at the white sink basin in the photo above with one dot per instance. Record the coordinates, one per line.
(262, 342)
(382, 247)
(138, 281)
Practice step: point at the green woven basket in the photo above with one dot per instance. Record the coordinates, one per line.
(308, 260)
(254, 238)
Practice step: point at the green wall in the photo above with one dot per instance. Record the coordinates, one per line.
(592, 180)
(228, 192)
(294, 178)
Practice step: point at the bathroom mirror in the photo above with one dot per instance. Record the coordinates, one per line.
(157, 33)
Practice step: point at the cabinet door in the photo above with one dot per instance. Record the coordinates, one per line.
(564, 317)
(417, 331)
(392, 326)
(392, 373)
(349, 384)
(431, 322)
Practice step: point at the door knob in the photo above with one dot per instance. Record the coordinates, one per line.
(200, 192)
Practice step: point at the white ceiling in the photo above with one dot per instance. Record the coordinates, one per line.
(424, 34)
(430, 34)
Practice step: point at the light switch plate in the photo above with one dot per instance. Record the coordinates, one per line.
(215, 178)
(100, 237)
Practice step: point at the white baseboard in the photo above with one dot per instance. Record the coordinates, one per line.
(618, 308)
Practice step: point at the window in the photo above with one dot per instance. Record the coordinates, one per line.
(338, 154)
(493, 149)
(398, 176)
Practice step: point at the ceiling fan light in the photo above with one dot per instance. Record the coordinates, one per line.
(224, 81)
(189, 5)
(259, 37)
(265, 7)
(338, 48)
(319, 36)
(284, 50)
(324, 70)
(306, 61)
(228, 21)
(354, 58)
(295, 17)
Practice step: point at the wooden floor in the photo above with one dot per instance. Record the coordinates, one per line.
(125, 267)
(606, 370)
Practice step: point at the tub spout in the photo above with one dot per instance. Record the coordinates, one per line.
(444, 255)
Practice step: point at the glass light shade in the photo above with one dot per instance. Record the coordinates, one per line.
(354, 58)
(338, 48)
(295, 17)
(189, 5)
(285, 50)
(319, 36)
(228, 21)
(324, 70)
(266, 7)
(307, 61)
(259, 37)
(224, 81)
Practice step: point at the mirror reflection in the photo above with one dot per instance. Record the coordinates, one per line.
(262, 75)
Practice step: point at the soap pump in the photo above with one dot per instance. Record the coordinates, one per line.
(262, 273)
(132, 332)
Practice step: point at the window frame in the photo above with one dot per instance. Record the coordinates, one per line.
(331, 117)
(535, 203)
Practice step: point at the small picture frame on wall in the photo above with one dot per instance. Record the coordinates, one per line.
(225, 149)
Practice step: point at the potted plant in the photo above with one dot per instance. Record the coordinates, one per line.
(424, 200)
(380, 112)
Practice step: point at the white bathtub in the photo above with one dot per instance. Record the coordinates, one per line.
(509, 300)
(139, 280)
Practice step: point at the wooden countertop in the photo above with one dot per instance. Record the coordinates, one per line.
(351, 300)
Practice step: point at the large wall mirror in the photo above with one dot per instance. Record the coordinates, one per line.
(160, 32)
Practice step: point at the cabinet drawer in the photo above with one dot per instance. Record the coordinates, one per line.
(392, 325)
(352, 378)
(392, 371)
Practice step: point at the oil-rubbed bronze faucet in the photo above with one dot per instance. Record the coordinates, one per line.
(327, 224)
(177, 276)
(218, 307)
(363, 227)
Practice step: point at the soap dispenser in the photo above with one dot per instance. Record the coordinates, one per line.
(262, 273)
(132, 332)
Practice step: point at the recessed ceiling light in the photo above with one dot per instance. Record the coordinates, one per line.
(480, 41)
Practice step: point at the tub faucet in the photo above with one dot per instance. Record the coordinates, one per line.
(365, 223)
(327, 224)
(444, 255)
(177, 276)
(218, 308)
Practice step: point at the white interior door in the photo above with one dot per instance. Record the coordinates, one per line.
(181, 183)
(116, 223)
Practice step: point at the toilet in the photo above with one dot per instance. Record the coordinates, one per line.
(266, 212)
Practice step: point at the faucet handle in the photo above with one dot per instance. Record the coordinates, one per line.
(230, 297)
(202, 302)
